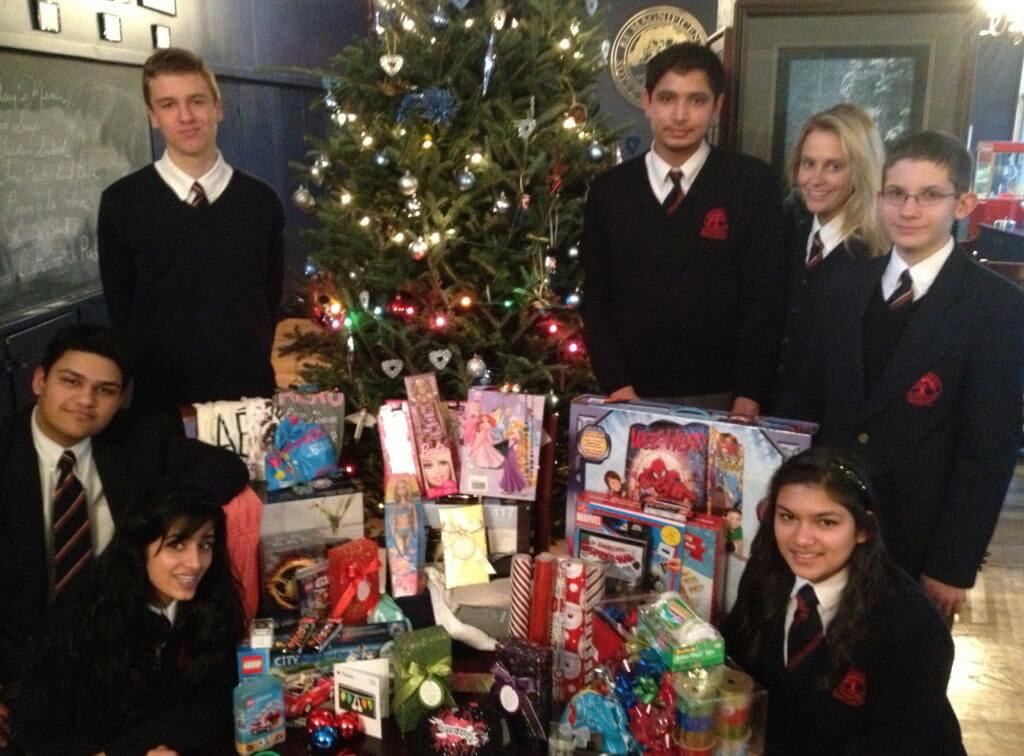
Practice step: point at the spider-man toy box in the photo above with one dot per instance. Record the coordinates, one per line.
(673, 461)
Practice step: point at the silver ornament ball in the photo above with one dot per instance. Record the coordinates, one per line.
(381, 159)
(413, 207)
(408, 184)
(439, 19)
(304, 199)
(465, 180)
(418, 248)
(596, 152)
(501, 204)
(476, 367)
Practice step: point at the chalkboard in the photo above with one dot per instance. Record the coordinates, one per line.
(68, 129)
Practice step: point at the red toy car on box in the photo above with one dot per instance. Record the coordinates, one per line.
(302, 697)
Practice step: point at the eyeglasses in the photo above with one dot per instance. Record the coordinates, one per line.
(897, 197)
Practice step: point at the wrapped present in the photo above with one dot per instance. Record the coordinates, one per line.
(465, 546)
(423, 668)
(353, 569)
(522, 685)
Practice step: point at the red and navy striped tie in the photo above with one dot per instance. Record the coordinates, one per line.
(817, 252)
(805, 633)
(676, 195)
(904, 293)
(72, 536)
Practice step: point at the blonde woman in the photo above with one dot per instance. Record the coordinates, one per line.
(836, 170)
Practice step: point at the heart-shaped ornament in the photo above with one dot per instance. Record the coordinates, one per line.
(392, 368)
(591, 6)
(526, 127)
(460, 4)
(364, 300)
(391, 64)
(440, 358)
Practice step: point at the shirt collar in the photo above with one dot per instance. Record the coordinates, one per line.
(660, 167)
(828, 591)
(170, 611)
(49, 451)
(213, 181)
(922, 274)
(831, 233)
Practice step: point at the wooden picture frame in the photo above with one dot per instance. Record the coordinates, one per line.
(943, 33)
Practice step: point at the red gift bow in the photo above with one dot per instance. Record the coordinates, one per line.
(354, 572)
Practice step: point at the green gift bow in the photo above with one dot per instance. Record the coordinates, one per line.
(415, 675)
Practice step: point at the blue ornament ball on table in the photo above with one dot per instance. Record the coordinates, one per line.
(323, 740)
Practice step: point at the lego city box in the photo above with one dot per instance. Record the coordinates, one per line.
(675, 462)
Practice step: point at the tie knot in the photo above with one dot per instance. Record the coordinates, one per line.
(66, 461)
(807, 596)
(906, 280)
(675, 176)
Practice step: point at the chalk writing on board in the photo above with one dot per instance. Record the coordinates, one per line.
(67, 130)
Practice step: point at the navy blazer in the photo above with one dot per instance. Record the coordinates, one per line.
(942, 426)
(803, 288)
(135, 453)
(890, 700)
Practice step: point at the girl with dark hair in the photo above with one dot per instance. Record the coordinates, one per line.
(141, 655)
(854, 656)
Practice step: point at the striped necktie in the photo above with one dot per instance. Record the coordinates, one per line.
(805, 632)
(198, 196)
(72, 536)
(676, 195)
(817, 253)
(904, 293)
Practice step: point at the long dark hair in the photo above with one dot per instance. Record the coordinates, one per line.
(767, 580)
(106, 635)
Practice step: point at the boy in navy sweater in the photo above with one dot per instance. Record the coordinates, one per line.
(684, 288)
(190, 252)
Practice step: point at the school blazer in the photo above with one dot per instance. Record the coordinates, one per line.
(803, 289)
(134, 454)
(890, 700)
(942, 427)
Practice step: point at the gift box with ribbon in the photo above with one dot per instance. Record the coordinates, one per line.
(422, 662)
(353, 570)
(465, 546)
(522, 688)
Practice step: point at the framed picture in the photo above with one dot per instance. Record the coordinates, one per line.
(723, 44)
(161, 37)
(110, 27)
(167, 7)
(48, 16)
(888, 82)
(910, 64)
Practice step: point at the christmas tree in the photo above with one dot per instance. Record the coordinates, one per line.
(449, 195)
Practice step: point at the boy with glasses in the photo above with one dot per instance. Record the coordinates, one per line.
(918, 359)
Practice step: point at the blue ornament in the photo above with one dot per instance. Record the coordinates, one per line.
(596, 152)
(311, 269)
(465, 179)
(460, 4)
(487, 378)
(573, 300)
(323, 739)
(439, 19)
(381, 159)
(432, 104)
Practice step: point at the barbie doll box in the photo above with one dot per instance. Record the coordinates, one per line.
(667, 458)
(500, 444)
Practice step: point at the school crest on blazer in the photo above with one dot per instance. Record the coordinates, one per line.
(852, 689)
(716, 224)
(926, 391)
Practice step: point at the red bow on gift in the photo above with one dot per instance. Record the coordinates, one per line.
(355, 574)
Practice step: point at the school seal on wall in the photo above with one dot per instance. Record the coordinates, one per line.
(642, 37)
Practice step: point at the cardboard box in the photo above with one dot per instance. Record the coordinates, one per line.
(666, 456)
(332, 506)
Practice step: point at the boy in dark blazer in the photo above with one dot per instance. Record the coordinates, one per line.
(917, 358)
(684, 273)
(115, 456)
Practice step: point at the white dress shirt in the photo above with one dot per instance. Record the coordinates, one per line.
(48, 453)
(214, 181)
(922, 274)
(658, 168)
(831, 236)
(170, 611)
(829, 591)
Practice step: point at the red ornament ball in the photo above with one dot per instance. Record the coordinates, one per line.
(319, 718)
(347, 724)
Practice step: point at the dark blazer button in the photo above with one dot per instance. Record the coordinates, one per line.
(863, 438)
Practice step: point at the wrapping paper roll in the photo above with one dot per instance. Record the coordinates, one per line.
(593, 595)
(557, 606)
(733, 714)
(540, 602)
(519, 611)
(571, 582)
